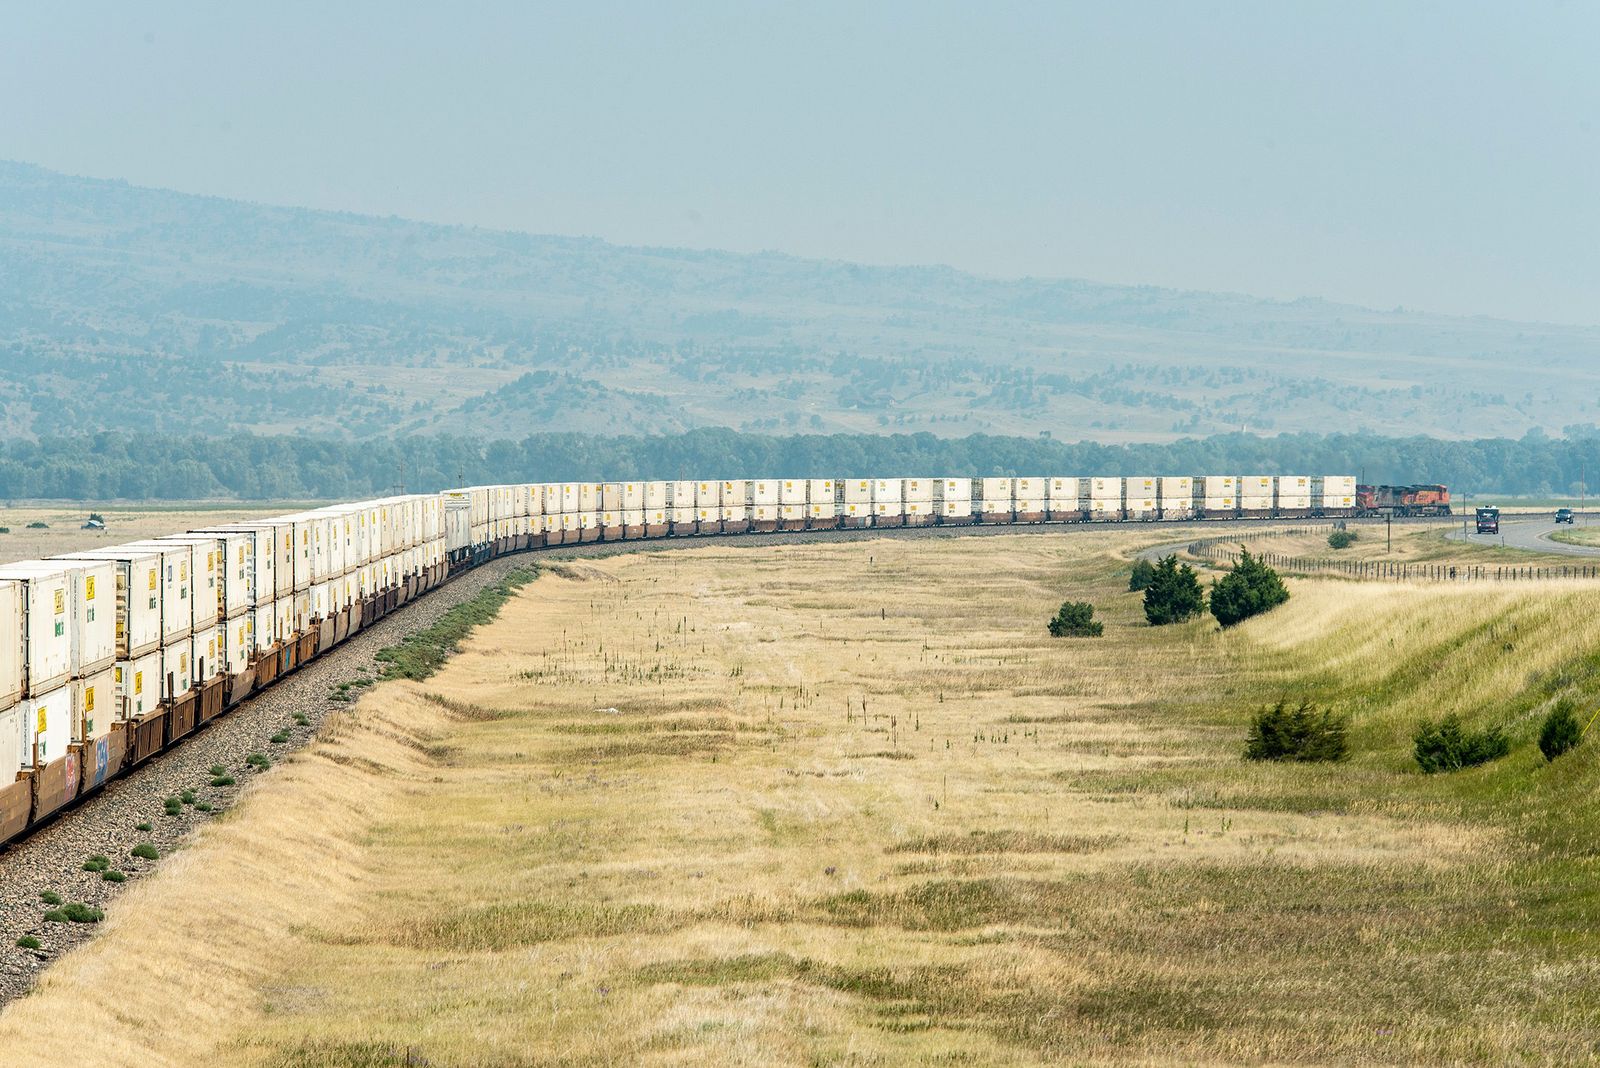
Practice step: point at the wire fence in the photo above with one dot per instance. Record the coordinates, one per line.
(1218, 550)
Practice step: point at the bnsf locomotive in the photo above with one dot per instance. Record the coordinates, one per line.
(1403, 500)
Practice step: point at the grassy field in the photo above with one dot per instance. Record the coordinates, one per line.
(1577, 536)
(849, 804)
(63, 531)
(1410, 544)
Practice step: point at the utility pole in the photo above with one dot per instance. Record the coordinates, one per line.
(1388, 530)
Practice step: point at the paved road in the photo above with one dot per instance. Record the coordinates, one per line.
(1532, 532)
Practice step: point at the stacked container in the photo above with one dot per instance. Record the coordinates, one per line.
(996, 505)
(822, 504)
(1029, 497)
(611, 508)
(856, 503)
(1257, 496)
(888, 502)
(1105, 499)
(708, 507)
(952, 500)
(1334, 495)
(1140, 499)
(1293, 496)
(918, 495)
(751, 505)
(1061, 500)
(1216, 496)
(1177, 497)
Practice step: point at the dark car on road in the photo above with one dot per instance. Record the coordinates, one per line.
(1564, 515)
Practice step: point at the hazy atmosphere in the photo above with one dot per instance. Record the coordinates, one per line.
(1439, 156)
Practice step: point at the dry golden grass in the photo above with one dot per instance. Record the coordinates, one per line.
(1410, 544)
(849, 804)
(63, 531)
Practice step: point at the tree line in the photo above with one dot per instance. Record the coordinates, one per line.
(109, 466)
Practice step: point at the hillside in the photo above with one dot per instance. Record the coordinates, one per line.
(130, 308)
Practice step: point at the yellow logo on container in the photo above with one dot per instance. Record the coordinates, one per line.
(88, 588)
(61, 602)
(138, 682)
(88, 698)
(43, 721)
(152, 578)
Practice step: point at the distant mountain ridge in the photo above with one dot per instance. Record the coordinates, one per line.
(130, 308)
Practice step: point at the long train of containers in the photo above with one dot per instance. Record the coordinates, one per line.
(111, 655)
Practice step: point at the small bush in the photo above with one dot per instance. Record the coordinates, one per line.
(77, 912)
(5, 530)
(202, 806)
(28, 942)
(1143, 573)
(1446, 746)
(279, 738)
(1341, 539)
(1301, 734)
(218, 769)
(145, 851)
(258, 760)
(1560, 731)
(1174, 594)
(1248, 590)
(223, 780)
(50, 897)
(112, 875)
(1075, 619)
(38, 525)
(98, 862)
(172, 806)
(302, 719)
(187, 797)
(145, 827)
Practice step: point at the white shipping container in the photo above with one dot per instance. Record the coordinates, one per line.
(138, 582)
(953, 489)
(954, 508)
(10, 744)
(792, 491)
(1176, 489)
(239, 636)
(996, 506)
(286, 623)
(1139, 487)
(656, 496)
(1256, 503)
(759, 491)
(46, 727)
(821, 491)
(759, 513)
(176, 669)
(138, 684)
(205, 585)
(633, 496)
(1295, 501)
(11, 649)
(888, 509)
(890, 491)
(1293, 485)
(1030, 505)
(1339, 485)
(1031, 488)
(94, 705)
(994, 489)
(94, 616)
(1221, 504)
(1105, 489)
(1217, 486)
(1141, 507)
(1061, 492)
(45, 593)
(708, 495)
(177, 601)
(858, 491)
(917, 490)
(611, 497)
(1255, 486)
(822, 509)
(634, 517)
(733, 513)
(588, 497)
(679, 515)
(262, 542)
(206, 660)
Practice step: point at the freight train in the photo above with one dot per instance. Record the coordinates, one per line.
(109, 656)
(1403, 500)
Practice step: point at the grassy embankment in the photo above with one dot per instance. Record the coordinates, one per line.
(850, 804)
(1410, 545)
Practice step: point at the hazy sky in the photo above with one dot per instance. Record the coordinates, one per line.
(1441, 155)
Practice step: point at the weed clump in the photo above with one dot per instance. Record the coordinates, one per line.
(258, 761)
(1560, 731)
(76, 912)
(1075, 619)
(50, 897)
(217, 769)
(1301, 734)
(1447, 746)
(98, 862)
(223, 780)
(172, 806)
(279, 738)
(28, 942)
(145, 851)
(112, 875)
(145, 827)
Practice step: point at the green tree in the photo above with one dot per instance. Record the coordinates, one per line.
(1301, 733)
(1075, 619)
(1560, 731)
(1447, 746)
(1341, 539)
(1143, 572)
(1174, 594)
(1248, 590)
